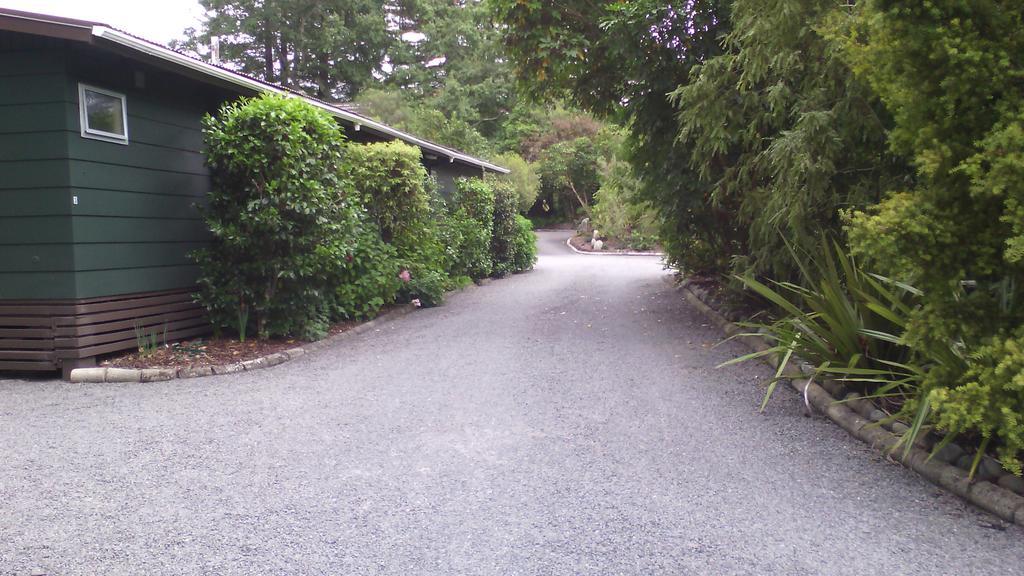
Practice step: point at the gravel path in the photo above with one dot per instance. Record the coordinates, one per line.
(563, 421)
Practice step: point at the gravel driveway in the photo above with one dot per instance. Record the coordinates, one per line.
(564, 421)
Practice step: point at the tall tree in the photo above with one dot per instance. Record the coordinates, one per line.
(330, 49)
(749, 129)
(782, 130)
(452, 56)
(620, 59)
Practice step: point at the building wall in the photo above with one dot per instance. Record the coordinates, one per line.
(137, 220)
(36, 253)
(446, 173)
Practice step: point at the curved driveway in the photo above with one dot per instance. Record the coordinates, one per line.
(564, 421)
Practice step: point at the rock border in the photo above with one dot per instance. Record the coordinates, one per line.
(861, 423)
(121, 375)
(568, 242)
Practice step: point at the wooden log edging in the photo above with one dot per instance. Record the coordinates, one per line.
(992, 498)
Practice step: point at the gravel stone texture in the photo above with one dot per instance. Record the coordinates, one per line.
(565, 421)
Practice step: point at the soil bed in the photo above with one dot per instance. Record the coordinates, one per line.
(201, 352)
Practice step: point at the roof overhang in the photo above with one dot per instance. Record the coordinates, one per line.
(43, 25)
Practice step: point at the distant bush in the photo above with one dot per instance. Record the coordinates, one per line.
(618, 212)
(367, 279)
(523, 177)
(570, 174)
(523, 245)
(279, 225)
(470, 225)
(398, 194)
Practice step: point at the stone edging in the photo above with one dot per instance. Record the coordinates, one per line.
(568, 242)
(98, 375)
(1004, 503)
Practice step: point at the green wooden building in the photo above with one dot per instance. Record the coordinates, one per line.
(101, 167)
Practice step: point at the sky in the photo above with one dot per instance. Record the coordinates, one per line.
(157, 20)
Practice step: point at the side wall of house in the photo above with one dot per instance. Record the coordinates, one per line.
(36, 259)
(137, 220)
(446, 173)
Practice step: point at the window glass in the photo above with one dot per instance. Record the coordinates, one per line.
(104, 112)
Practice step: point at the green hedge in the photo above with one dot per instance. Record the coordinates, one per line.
(310, 230)
(400, 198)
(513, 245)
(471, 226)
(279, 225)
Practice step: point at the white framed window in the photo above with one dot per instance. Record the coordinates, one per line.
(103, 113)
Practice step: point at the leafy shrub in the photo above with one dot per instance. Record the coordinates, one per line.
(989, 399)
(957, 112)
(469, 228)
(618, 212)
(390, 180)
(523, 177)
(637, 241)
(958, 221)
(427, 285)
(367, 279)
(450, 236)
(504, 227)
(523, 245)
(278, 221)
(470, 248)
(513, 244)
(398, 194)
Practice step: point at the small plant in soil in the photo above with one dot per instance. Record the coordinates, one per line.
(148, 342)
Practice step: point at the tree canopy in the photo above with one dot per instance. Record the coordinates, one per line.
(330, 49)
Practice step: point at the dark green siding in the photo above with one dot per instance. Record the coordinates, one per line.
(136, 220)
(446, 173)
(36, 259)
